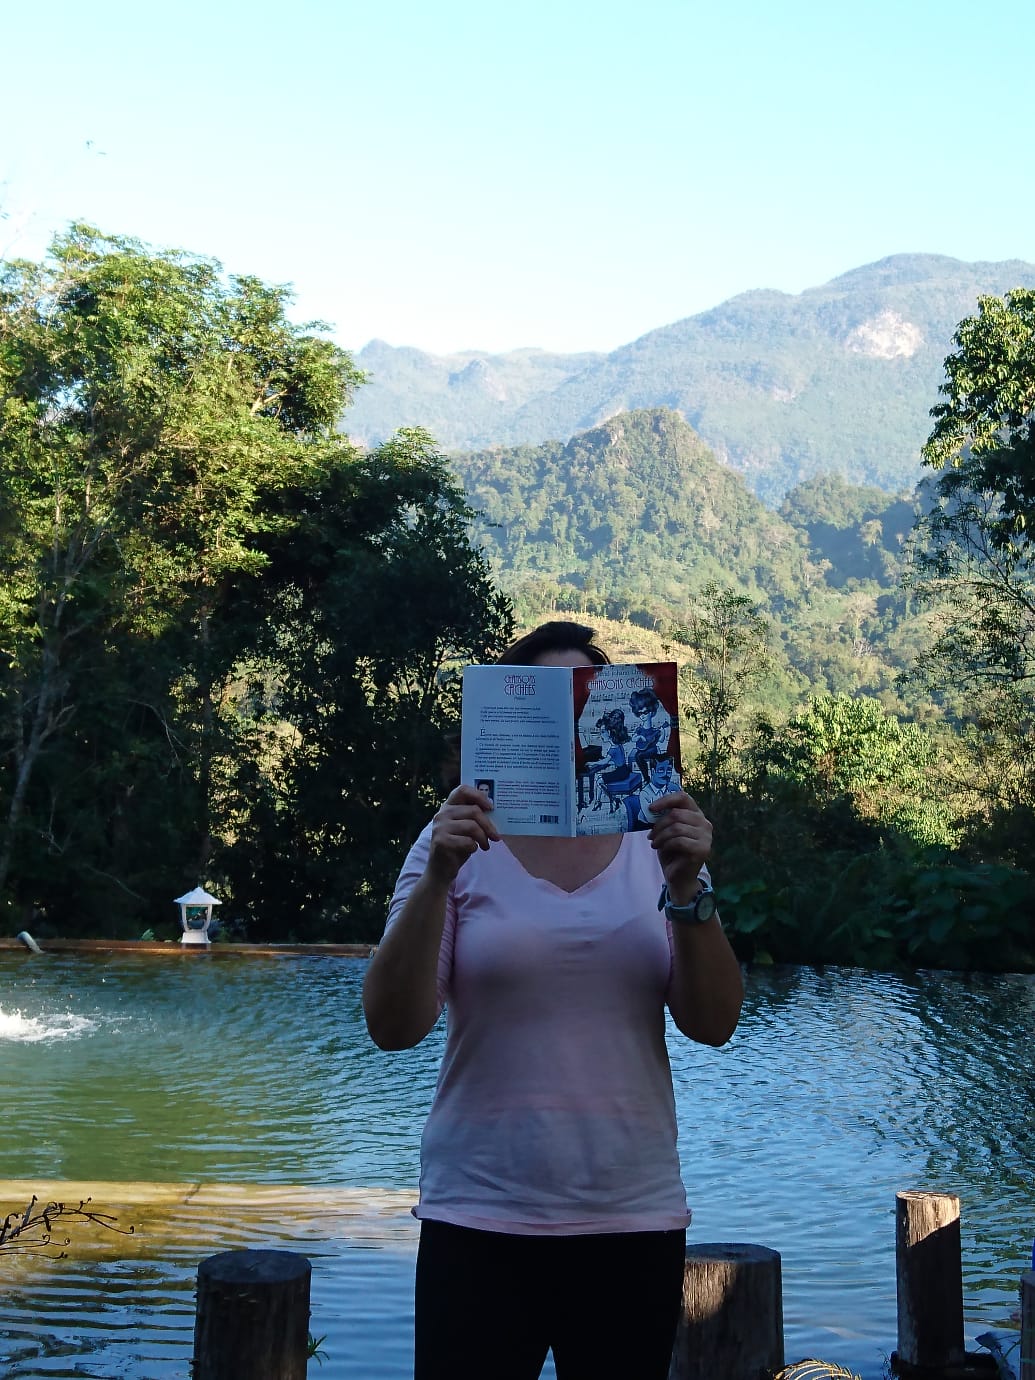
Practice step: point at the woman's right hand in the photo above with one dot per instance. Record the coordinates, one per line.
(460, 828)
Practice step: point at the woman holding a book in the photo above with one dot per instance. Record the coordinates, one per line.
(551, 1207)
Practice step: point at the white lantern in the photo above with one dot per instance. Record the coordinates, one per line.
(196, 916)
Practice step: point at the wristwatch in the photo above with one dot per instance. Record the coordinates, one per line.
(700, 910)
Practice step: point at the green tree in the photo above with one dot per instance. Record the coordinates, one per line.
(841, 807)
(973, 559)
(974, 556)
(729, 639)
(983, 440)
(844, 748)
(149, 411)
(372, 601)
(989, 762)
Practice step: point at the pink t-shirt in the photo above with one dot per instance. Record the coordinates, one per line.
(554, 1110)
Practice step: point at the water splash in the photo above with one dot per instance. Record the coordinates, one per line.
(28, 1030)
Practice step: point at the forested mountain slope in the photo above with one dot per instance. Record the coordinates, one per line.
(782, 387)
(634, 518)
(636, 511)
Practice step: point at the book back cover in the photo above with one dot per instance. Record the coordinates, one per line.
(516, 745)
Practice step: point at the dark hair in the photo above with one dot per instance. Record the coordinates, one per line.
(614, 723)
(554, 637)
(644, 701)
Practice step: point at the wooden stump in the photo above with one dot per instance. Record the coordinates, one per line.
(1027, 1371)
(732, 1319)
(929, 1279)
(253, 1316)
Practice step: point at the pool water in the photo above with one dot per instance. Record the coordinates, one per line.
(214, 1103)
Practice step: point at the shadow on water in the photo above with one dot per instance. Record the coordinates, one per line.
(254, 1084)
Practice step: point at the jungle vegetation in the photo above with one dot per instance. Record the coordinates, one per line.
(231, 637)
(224, 628)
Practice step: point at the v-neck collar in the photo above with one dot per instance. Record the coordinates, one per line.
(584, 886)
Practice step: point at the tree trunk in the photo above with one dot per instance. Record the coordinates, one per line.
(253, 1316)
(731, 1326)
(929, 1275)
(205, 745)
(39, 730)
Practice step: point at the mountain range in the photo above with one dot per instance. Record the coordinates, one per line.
(782, 387)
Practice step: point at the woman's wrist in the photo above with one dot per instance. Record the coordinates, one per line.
(439, 875)
(682, 891)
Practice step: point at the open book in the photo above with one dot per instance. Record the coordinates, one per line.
(571, 750)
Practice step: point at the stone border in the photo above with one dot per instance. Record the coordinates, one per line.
(216, 950)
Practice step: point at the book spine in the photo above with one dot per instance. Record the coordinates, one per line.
(569, 785)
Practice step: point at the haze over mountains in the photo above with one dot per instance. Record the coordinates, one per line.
(839, 378)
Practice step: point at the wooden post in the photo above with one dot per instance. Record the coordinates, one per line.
(929, 1278)
(1027, 1325)
(253, 1316)
(732, 1319)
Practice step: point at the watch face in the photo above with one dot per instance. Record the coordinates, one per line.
(706, 906)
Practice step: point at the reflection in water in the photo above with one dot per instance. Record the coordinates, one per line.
(133, 1299)
(122, 1073)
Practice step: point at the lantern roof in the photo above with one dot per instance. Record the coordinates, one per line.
(197, 897)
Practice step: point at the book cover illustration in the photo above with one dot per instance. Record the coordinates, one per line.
(626, 744)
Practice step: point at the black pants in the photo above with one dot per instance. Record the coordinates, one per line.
(489, 1304)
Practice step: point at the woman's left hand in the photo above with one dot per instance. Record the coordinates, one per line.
(683, 839)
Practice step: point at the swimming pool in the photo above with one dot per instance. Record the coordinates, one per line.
(253, 1084)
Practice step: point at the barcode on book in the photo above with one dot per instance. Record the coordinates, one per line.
(549, 819)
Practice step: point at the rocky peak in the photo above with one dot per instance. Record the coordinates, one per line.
(885, 336)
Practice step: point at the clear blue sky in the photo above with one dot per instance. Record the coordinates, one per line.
(480, 174)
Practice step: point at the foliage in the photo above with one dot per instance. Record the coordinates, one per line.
(983, 440)
(150, 410)
(975, 555)
(372, 600)
(989, 761)
(837, 808)
(220, 621)
(973, 559)
(981, 591)
(874, 905)
(966, 916)
(232, 639)
(630, 518)
(855, 532)
(837, 747)
(729, 642)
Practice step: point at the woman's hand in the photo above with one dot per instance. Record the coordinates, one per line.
(460, 828)
(400, 996)
(683, 839)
